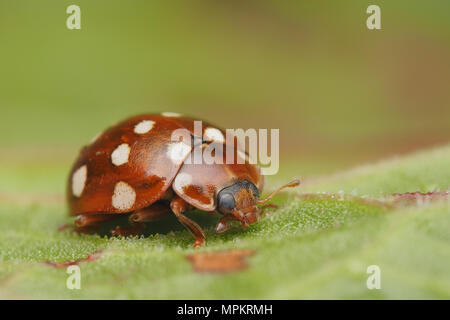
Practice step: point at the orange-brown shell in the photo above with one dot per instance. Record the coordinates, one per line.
(148, 171)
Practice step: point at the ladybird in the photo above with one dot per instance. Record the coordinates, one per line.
(135, 168)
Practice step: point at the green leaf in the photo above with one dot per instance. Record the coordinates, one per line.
(311, 247)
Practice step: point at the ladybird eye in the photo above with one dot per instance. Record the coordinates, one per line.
(226, 201)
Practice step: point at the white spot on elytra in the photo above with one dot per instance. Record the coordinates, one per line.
(124, 196)
(79, 181)
(120, 154)
(144, 126)
(178, 151)
(213, 134)
(182, 180)
(171, 114)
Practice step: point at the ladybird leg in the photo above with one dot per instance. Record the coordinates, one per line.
(222, 225)
(87, 230)
(149, 214)
(128, 231)
(90, 222)
(179, 206)
(137, 219)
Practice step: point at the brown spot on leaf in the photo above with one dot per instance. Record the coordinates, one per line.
(388, 202)
(220, 261)
(419, 197)
(91, 257)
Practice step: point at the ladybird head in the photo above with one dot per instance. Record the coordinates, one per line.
(242, 199)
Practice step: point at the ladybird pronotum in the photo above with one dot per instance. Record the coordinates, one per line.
(135, 168)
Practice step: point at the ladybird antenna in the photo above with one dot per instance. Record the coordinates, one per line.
(292, 184)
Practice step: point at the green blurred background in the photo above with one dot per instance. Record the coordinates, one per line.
(339, 93)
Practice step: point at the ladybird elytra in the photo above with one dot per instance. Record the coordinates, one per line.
(135, 168)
